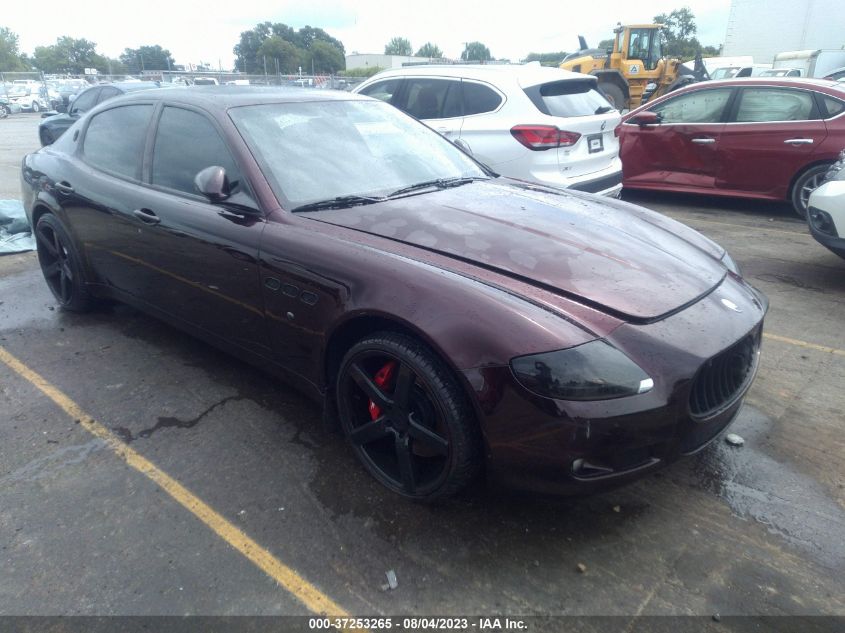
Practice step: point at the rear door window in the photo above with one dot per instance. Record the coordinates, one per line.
(114, 140)
(570, 98)
(186, 143)
(479, 98)
(107, 93)
(700, 106)
(760, 105)
(427, 98)
(383, 90)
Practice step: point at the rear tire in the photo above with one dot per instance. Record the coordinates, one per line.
(36, 107)
(803, 187)
(614, 95)
(424, 442)
(61, 264)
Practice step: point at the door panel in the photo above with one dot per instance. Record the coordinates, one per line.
(772, 135)
(683, 150)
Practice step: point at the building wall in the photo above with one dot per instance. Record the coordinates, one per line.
(763, 28)
(382, 61)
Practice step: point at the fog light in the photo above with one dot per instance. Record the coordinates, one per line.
(822, 221)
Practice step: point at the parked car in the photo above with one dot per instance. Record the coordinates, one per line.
(206, 81)
(453, 321)
(811, 63)
(826, 215)
(68, 89)
(7, 107)
(782, 72)
(730, 72)
(753, 138)
(28, 97)
(55, 124)
(529, 122)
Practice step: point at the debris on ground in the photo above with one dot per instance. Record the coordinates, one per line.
(15, 233)
(392, 583)
(582, 568)
(734, 440)
(717, 617)
(617, 508)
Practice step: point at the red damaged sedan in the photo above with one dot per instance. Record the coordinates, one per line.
(765, 138)
(453, 322)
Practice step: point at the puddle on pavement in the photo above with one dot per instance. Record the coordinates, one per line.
(755, 485)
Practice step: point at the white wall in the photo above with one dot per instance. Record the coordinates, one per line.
(382, 61)
(762, 28)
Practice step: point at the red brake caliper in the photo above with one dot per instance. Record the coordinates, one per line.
(383, 379)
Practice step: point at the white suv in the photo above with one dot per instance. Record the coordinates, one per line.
(528, 122)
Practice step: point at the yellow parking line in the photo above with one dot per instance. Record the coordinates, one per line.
(315, 600)
(804, 344)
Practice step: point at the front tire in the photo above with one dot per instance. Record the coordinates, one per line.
(61, 264)
(803, 187)
(36, 107)
(416, 433)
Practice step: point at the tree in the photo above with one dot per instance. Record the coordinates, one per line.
(277, 50)
(476, 52)
(69, 55)
(326, 58)
(547, 59)
(250, 54)
(147, 58)
(398, 46)
(605, 44)
(430, 50)
(10, 57)
(679, 31)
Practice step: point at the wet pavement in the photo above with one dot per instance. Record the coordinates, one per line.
(756, 529)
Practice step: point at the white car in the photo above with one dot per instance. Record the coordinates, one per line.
(28, 98)
(826, 209)
(528, 122)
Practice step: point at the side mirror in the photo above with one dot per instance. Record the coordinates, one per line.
(645, 118)
(213, 183)
(61, 108)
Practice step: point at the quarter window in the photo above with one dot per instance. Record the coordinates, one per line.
(114, 140)
(759, 105)
(383, 90)
(478, 98)
(701, 106)
(432, 98)
(833, 106)
(186, 143)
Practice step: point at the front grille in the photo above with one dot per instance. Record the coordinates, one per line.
(723, 377)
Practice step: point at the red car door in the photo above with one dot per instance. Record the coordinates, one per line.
(680, 152)
(772, 134)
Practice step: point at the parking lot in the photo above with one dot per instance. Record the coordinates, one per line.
(233, 499)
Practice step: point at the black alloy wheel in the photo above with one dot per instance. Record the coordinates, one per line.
(415, 434)
(804, 186)
(60, 264)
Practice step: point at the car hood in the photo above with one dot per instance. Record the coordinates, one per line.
(625, 260)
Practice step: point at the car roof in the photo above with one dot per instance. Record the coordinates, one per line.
(529, 74)
(784, 82)
(234, 96)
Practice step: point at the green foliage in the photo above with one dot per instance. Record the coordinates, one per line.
(304, 46)
(430, 50)
(476, 52)
(152, 57)
(69, 55)
(547, 59)
(369, 71)
(605, 44)
(10, 57)
(679, 31)
(398, 46)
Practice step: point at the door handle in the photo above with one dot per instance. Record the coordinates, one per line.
(146, 216)
(799, 141)
(63, 187)
(704, 141)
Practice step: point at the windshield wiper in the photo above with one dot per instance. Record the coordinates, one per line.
(440, 183)
(340, 202)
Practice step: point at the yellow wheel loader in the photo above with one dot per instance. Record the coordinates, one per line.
(635, 69)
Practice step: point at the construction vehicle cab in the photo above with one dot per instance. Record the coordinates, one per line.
(634, 70)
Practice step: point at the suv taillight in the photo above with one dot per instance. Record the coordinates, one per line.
(540, 137)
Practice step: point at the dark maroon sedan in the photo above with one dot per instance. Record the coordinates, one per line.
(765, 138)
(454, 322)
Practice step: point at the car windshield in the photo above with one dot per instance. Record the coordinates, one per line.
(315, 151)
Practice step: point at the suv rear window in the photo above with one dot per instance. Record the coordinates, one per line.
(569, 98)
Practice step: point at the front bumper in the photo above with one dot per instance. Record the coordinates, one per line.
(566, 447)
(829, 199)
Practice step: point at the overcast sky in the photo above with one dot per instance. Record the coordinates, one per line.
(206, 31)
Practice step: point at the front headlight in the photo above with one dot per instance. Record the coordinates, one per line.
(731, 265)
(592, 371)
